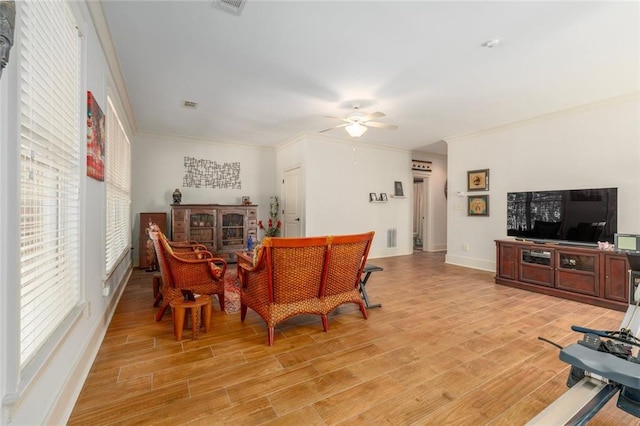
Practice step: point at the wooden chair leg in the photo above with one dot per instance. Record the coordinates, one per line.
(157, 284)
(243, 312)
(270, 335)
(221, 300)
(156, 302)
(363, 309)
(160, 313)
(325, 323)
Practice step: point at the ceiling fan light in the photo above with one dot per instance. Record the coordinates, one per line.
(356, 130)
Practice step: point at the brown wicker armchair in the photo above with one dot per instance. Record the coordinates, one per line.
(197, 271)
(312, 275)
(178, 247)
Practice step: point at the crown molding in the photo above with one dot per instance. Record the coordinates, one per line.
(203, 141)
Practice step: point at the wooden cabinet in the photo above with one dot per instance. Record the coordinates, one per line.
(578, 273)
(146, 252)
(224, 229)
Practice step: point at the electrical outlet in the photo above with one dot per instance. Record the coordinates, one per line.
(465, 247)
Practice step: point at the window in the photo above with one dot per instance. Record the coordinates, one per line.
(49, 89)
(118, 181)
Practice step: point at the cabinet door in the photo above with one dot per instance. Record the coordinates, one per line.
(506, 261)
(616, 278)
(536, 266)
(232, 228)
(577, 272)
(202, 224)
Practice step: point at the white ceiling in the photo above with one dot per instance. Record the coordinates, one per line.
(281, 66)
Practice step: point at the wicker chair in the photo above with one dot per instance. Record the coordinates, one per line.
(178, 247)
(312, 275)
(197, 271)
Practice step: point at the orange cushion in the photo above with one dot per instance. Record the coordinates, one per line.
(216, 271)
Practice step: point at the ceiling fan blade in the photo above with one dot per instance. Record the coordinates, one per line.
(373, 115)
(380, 125)
(346, 120)
(334, 127)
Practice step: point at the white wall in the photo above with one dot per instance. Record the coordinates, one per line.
(594, 146)
(338, 177)
(47, 394)
(158, 169)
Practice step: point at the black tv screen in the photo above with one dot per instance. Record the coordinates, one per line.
(583, 216)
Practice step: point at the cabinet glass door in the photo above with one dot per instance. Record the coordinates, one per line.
(232, 226)
(201, 227)
(536, 257)
(577, 262)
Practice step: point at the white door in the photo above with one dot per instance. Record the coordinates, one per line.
(292, 205)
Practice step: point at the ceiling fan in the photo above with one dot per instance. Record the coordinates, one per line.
(356, 122)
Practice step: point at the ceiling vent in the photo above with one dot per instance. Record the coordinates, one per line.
(231, 6)
(190, 104)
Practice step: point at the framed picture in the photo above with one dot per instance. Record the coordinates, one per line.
(397, 189)
(478, 180)
(373, 196)
(95, 139)
(383, 196)
(478, 205)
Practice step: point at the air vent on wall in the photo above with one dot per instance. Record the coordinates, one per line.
(392, 237)
(190, 104)
(231, 6)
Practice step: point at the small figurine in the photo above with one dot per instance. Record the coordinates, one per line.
(177, 196)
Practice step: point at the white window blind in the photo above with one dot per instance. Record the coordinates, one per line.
(118, 181)
(49, 170)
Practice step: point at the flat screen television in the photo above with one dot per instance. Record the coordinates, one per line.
(579, 216)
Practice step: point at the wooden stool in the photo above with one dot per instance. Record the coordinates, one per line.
(157, 285)
(200, 308)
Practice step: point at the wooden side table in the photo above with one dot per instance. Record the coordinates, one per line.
(201, 307)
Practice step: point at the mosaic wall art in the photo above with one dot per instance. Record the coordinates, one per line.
(200, 173)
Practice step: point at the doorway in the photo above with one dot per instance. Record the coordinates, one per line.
(420, 211)
(292, 203)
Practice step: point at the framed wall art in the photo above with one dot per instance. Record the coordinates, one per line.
(373, 196)
(95, 139)
(478, 180)
(397, 189)
(478, 205)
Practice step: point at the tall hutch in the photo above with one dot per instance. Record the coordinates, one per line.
(224, 229)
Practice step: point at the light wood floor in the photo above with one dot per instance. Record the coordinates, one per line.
(448, 347)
